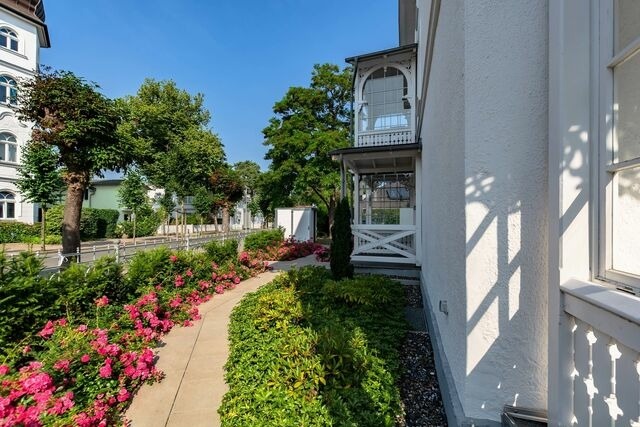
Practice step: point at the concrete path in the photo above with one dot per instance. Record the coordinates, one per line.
(192, 359)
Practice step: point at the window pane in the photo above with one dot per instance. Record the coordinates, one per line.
(14, 45)
(3, 40)
(3, 94)
(626, 106)
(13, 94)
(11, 210)
(626, 221)
(627, 21)
(3, 150)
(13, 153)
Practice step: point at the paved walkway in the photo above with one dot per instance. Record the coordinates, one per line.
(192, 359)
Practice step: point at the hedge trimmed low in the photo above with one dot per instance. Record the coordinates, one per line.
(310, 351)
(263, 240)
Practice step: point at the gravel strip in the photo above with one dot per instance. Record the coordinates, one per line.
(419, 384)
(413, 296)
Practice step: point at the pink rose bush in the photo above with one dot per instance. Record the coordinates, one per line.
(85, 373)
(289, 249)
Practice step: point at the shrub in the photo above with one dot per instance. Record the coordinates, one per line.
(145, 266)
(306, 350)
(146, 225)
(222, 252)
(263, 240)
(94, 223)
(54, 220)
(17, 232)
(341, 241)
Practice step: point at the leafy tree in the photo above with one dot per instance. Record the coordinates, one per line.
(40, 179)
(341, 242)
(227, 190)
(70, 115)
(133, 196)
(249, 174)
(202, 203)
(167, 203)
(310, 122)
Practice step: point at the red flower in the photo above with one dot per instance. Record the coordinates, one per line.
(48, 330)
(173, 258)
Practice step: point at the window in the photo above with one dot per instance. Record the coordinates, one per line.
(8, 90)
(8, 148)
(621, 118)
(387, 199)
(385, 103)
(9, 39)
(7, 205)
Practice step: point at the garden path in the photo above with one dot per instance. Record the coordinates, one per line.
(193, 358)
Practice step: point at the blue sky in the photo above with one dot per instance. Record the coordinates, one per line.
(242, 55)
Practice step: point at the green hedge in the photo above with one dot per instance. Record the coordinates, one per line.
(11, 232)
(94, 223)
(310, 351)
(146, 225)
(262, 240)
(222, 252)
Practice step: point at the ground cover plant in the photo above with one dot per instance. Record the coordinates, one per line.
(310, 351)
(95, 330)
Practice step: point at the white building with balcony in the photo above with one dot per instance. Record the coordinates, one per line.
(22, 33)
(498, 149)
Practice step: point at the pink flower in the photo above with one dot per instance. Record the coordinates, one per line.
(26, 349)
(4, 369)
(123, 395)
(82, 328)
(48, 330)
(175, 302)
(102, 301)
(236, 280)
(85, 358)
(173, 258)
(63, 404)
(105, 370)
(62, 365)
(213, 276)
(179, 281)
(219, 289)
(189, 273)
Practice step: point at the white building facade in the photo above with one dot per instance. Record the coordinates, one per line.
(22, 34)
(515, 144)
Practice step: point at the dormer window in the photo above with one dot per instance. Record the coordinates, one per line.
(8, 90)
(385, 102)
(9, 39)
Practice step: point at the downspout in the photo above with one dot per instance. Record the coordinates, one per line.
(431, 39)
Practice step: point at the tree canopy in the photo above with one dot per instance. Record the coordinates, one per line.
(70, 115)
(309, 122)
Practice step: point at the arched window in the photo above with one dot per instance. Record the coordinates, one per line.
(8, 39)
(8, 90)
(7, 205)
(385, 103)
(8, 148)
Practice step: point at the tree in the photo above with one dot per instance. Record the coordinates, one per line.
(133, 195)
(249, 174)
(227, 190)
(202, 203)
(341, 242)
(70, 115)
(168, 205)
(40, 179)
(309, 123)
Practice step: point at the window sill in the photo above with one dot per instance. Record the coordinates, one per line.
(13, 52)
(622, 304)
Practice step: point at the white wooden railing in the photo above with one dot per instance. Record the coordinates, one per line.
(385, 137)
(603, 356)
(384, 243)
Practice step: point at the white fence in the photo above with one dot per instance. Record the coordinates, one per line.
(604, 356)
(377, 138)
(384, 243)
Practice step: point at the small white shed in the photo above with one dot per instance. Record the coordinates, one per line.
(300, 223)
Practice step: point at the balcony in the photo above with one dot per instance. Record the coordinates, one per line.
(385, 137)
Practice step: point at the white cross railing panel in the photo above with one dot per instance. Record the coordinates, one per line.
(387, 137)
(384, 243)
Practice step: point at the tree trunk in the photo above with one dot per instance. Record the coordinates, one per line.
(76, 184)
(43, 228)
(225, 219)
(134, 226)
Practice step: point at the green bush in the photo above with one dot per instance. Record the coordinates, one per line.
(16, 232)
(146, 225)
(263, 240)
(222, 252)
(306, 350)
(341, 241)
(94, 223)
(145, 266)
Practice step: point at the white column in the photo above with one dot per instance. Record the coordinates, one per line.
(418, 219)
(356, 198)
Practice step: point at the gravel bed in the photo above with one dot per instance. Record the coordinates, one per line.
(419, 384)
(413, 296)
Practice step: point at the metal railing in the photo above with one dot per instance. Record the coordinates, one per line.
(123, 251)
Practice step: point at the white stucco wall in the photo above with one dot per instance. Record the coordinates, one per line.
(18, 65)
(443, 222)
(485, 212)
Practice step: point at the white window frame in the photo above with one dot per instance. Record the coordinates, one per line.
(607, 164)
(6, 87)
(7, 143)
(10, 35)
(4, 203)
